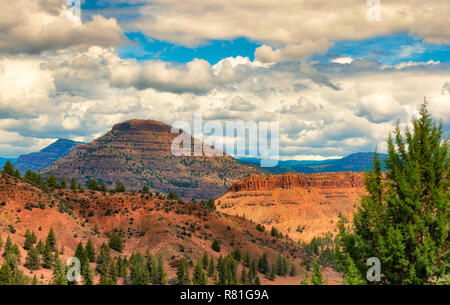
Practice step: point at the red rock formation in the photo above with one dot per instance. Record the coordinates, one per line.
(289, 180)
(138, 153)
(300, 205)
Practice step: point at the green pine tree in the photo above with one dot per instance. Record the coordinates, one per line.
(183, 273)
(404, 220)
(316, 277)
(199, 276)
(8, 168)
(90, 250)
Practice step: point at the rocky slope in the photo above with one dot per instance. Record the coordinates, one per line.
(300, 205)
(145, 221)
(38, 160)
(138, 153)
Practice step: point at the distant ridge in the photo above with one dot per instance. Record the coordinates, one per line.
(46, 156)
(356, 162)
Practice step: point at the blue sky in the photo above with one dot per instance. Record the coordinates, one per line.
(334, 80)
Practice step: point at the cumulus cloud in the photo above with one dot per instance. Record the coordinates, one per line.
(380, 108)
(298, 51)
(284, 23)
(36, 26)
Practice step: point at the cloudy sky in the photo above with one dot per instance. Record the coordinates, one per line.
(335, 79)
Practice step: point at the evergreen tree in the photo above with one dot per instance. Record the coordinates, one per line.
(35, 281)
(199, 276)
(47, 256)
(17, 174)
(257, 281)
(32, 260)
(30, 239)
(8, 245)
(216, 245)
(404, 220)
(243, 278)
(120, 188)
(183, 273)
(8, 168)
(139, 273)
(51, 239)
(103, 257)
(316, 277)
(52, 182)
(64, 182)
(40, 247)
(88, 278)
(161, 278)
(263, 264)
(81, 254)
(93, 185)
(211, 267)
(205, 261)
(103, 188)
(115, 242)
(59, 273)
(90, 250)
(237, 254)
(73, 184)
(5, 274)
(293, 271)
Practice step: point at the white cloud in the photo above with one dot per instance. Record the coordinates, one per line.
(36, 26)
(343, 60)
(298, 51)
(290, 22)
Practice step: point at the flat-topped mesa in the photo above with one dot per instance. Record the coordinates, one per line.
(142, 125)
(289, 180)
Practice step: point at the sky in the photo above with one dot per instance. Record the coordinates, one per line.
(336, 79)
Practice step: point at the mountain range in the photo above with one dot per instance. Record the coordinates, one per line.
(356, 162)
(38, 160)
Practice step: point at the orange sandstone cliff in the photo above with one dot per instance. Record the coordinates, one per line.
(300, 205)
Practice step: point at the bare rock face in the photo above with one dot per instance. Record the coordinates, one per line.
(138, 153)
(290, 180)
(300, 205)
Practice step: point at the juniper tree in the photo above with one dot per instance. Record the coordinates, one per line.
(183, 273)
(64, 182)
(404, 220)
(51, 239)
(8, 168)
(73, 184)
(30, 239)
(316, 277)
(199, 276)
(205, 261)
(32, 260)
(90, 250)
(211, 267)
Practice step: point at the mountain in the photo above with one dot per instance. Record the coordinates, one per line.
(300, 205)
(38, 160)
(145, 222)
(355, 162)
(3, 160)
(138, 153)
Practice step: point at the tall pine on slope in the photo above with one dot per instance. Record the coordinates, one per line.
(404, 220)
